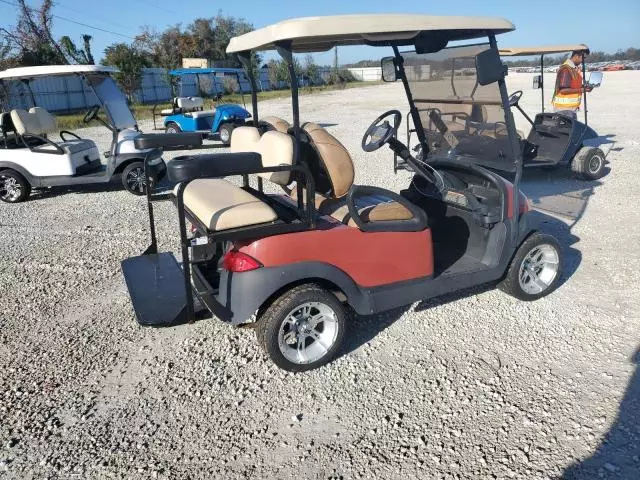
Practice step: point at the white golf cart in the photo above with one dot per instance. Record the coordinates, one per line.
(30, 159)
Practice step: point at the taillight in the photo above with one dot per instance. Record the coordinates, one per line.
(235, 261)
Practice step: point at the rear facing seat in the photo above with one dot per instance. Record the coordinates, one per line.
(220, 205)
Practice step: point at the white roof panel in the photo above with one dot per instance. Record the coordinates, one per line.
(524, 51)
(311, 34)
(50, 70)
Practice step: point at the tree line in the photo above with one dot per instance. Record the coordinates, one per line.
(594, 57)
(31, 42)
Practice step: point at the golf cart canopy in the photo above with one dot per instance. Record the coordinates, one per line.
(542, 50)
(51, 70)
(316, 34)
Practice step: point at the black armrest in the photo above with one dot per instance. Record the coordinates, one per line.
(168, 141)
(189, 167)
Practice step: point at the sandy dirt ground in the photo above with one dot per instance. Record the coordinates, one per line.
(472, 385)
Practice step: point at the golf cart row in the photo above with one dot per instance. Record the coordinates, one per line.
(293, 265)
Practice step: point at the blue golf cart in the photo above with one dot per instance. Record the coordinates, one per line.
(188, 113)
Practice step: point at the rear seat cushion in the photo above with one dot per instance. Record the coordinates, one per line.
(245, 139)
(220, 205)
(189, 103)
(379, 212)
(274, 147)
(203, 113)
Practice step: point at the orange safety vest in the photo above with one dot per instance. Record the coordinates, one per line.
(568, 100)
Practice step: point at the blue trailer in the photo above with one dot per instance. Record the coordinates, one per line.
(188, 114)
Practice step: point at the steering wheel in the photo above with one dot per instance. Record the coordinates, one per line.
(91, 114)
(379, 132)
(514, 98)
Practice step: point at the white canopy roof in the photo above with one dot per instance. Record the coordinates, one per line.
(317, 34)
(524, 51)
(50, 70)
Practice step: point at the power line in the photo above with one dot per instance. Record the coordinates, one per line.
(72, 21)
(75, 10)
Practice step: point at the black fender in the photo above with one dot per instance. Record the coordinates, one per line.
(241, 294)
(33, 181)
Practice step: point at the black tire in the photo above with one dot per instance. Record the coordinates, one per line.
(14, 188)
(172, 128)
(225, 131)
(133, 179)
(512, 284)
(268, 327)
(589, 163)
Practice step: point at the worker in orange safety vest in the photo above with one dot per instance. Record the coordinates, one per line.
(570, 84)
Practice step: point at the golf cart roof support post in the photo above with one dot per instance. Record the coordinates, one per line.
(184, 244)
(515, 147)
(245, 59)
(542, 80)
(284, 50)
(584, 90)
(415, 115)
(27, 82)
(244, 104)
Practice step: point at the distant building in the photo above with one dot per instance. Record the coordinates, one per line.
(195, 63)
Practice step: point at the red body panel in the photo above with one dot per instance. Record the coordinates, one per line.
(370, 259)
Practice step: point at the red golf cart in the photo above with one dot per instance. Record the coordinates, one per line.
(296, 263)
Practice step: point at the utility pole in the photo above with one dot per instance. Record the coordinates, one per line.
(335, 59)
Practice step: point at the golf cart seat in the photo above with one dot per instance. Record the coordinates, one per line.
(38, 122)
(333, 173)
(271, 122)
(7, 130)
(220, 205)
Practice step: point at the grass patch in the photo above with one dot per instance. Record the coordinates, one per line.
(145, 111)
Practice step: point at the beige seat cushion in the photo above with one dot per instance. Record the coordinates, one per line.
(277, 123)
(220, 205)
(245, 139)
(335, 157)
(275, 149)
(380, 212)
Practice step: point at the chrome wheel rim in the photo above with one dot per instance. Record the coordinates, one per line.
(224, 135)
(539, 269)
(172, 130)
(10, 189)
(595, 163)
(308, 332)
(135, 180)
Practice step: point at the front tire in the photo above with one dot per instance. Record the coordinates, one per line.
(303, 329)
(589, 163)
(133, 179)
(535, 270)
(172, 128)
(225, 131)
(14, 188)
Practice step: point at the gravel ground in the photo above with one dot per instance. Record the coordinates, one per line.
(474, 385)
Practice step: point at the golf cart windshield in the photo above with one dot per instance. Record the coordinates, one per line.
(460, 117)
(113, 100)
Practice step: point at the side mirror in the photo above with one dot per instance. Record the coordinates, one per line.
(595, 79)
(489, 67)
(537, 82)
(388, 66)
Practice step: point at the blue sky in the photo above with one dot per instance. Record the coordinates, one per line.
(603, 25)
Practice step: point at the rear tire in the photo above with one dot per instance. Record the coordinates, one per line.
(535, 270)
(589, 163)
(14, 188)
(133, 179)
(225, 131)
(173, 128)
(303, 329)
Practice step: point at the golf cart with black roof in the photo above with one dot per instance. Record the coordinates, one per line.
(557, 139)
(301, 260)
(30, 159)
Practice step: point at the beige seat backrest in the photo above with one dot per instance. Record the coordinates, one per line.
(334, 157)
(277, 123)
(275, 148)
(36, 121)
(190, 103)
